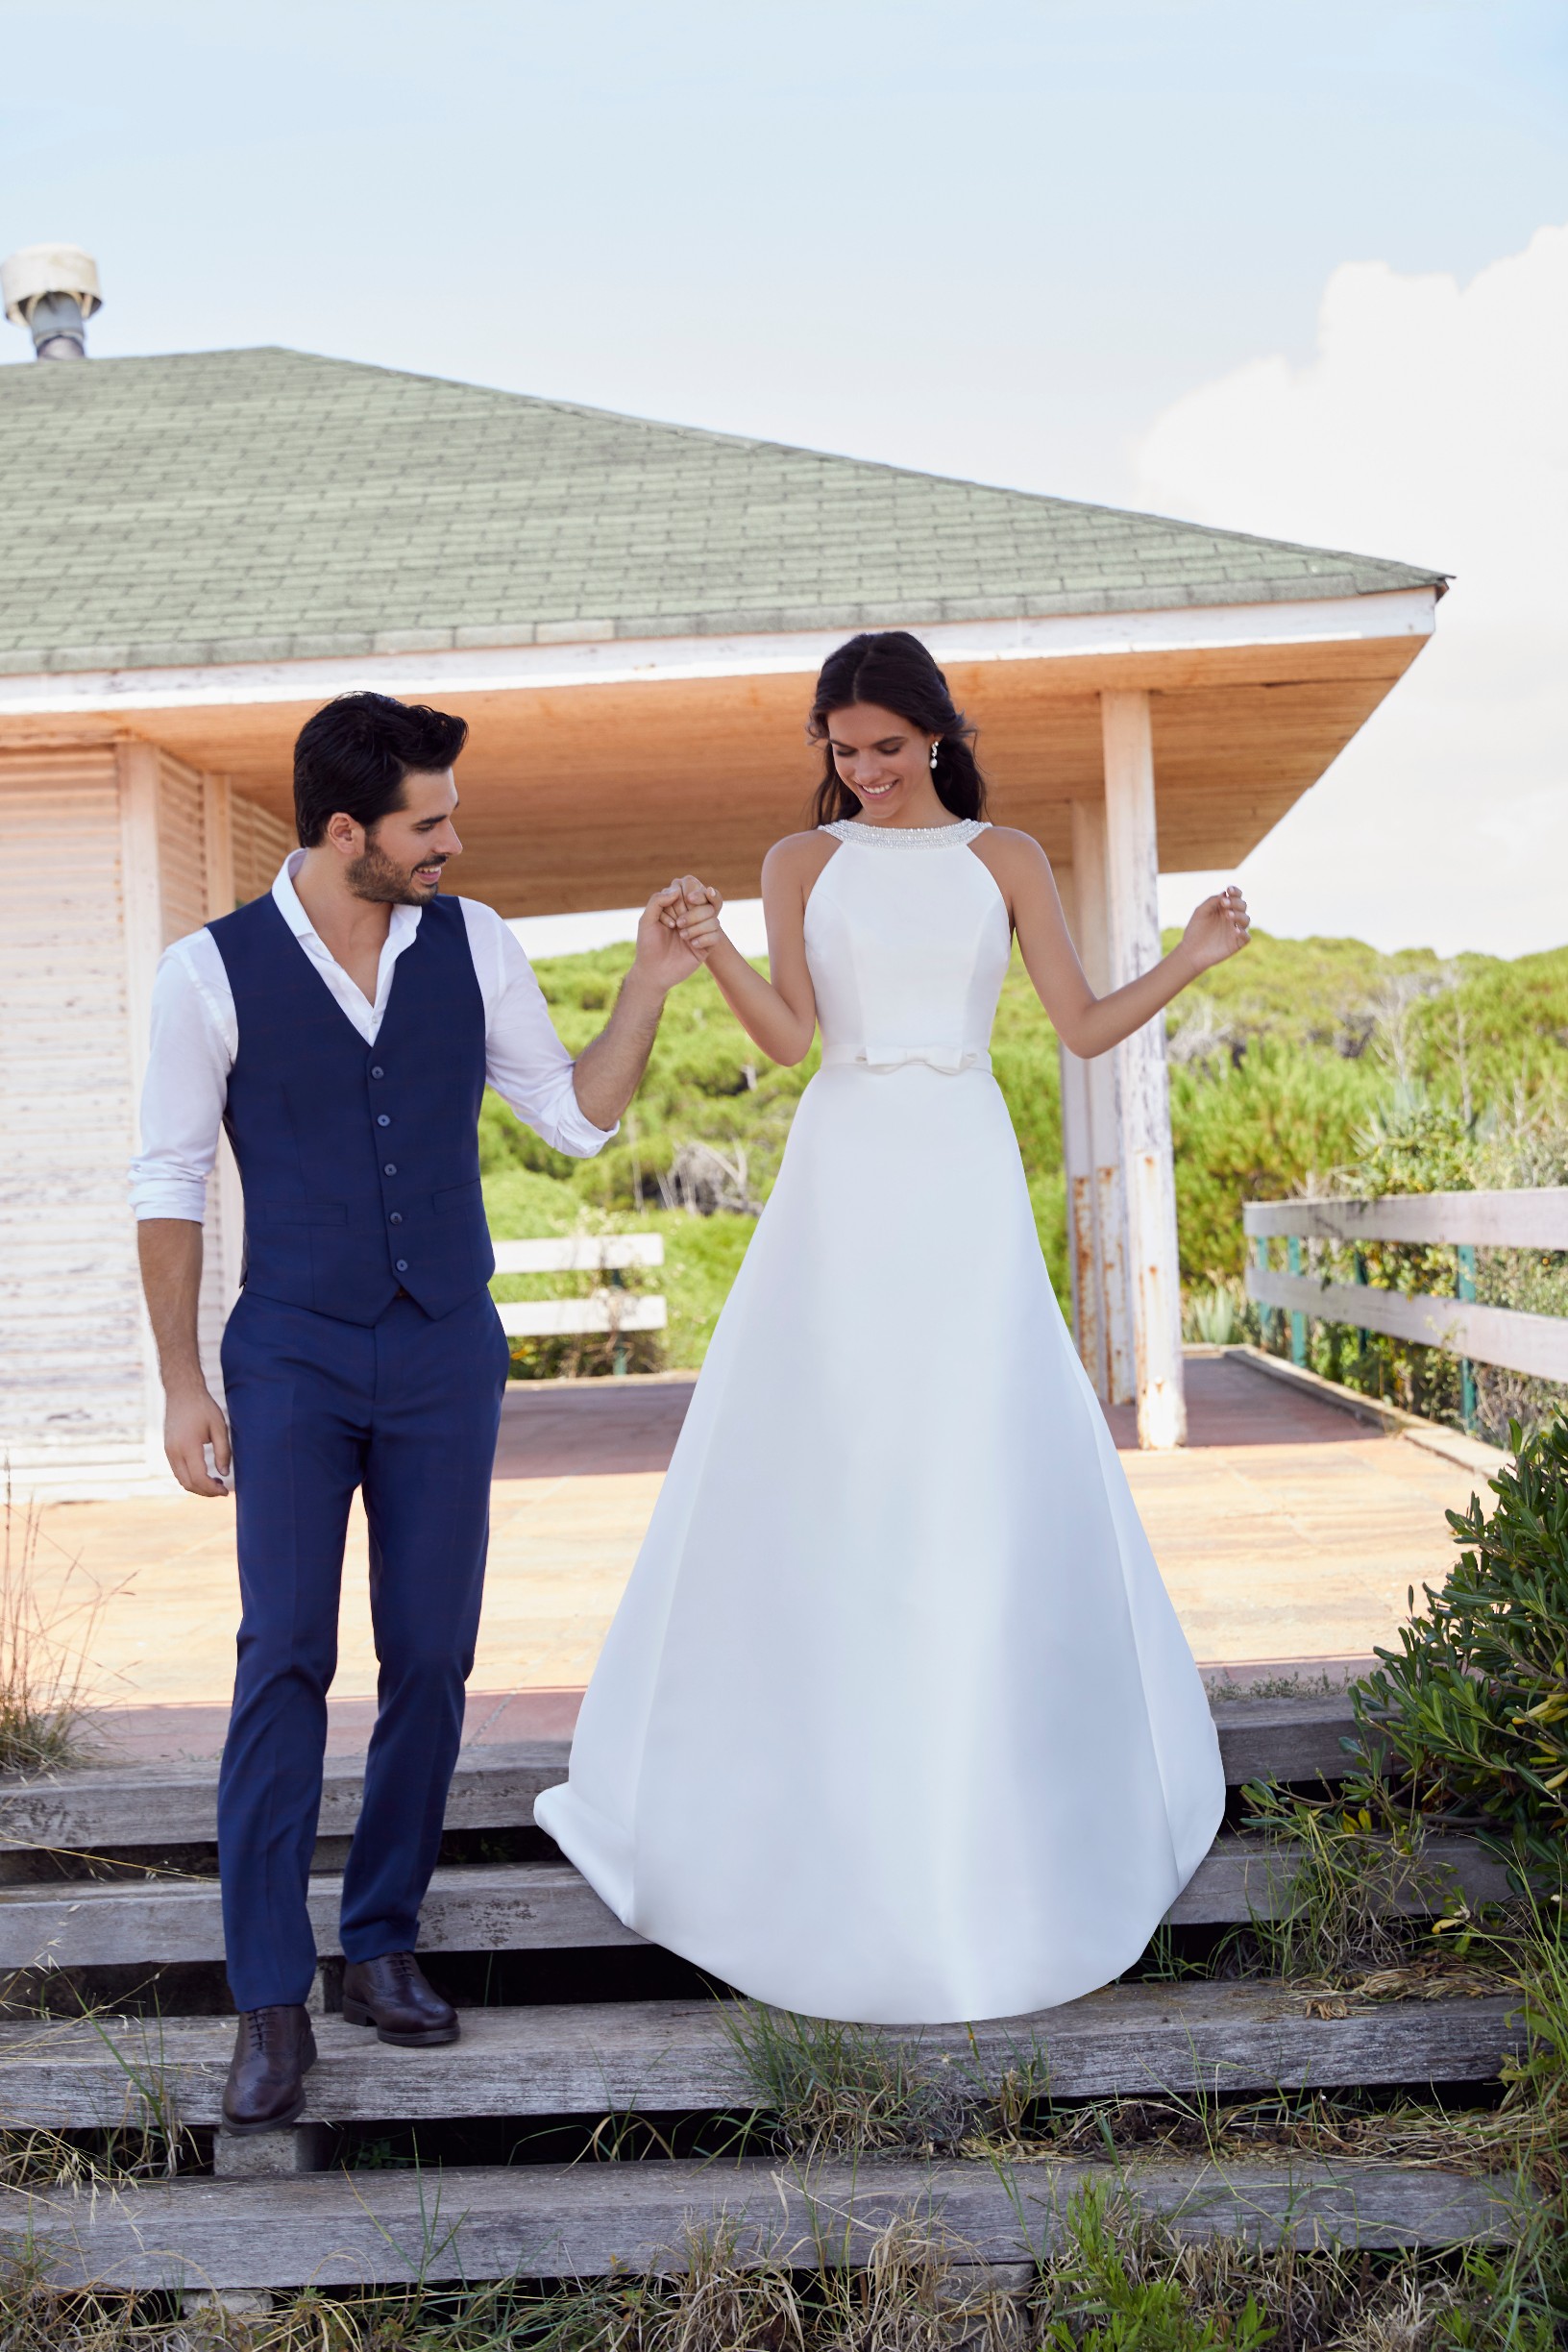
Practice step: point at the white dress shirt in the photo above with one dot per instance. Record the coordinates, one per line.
(195, 1038)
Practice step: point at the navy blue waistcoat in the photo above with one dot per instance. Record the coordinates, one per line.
(361, 1162)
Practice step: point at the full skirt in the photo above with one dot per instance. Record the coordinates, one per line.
(895, 1723)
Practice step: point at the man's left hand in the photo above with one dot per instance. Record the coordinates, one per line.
(662, 956)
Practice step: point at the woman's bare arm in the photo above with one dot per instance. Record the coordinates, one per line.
(778, 1014)
(1085, 1023)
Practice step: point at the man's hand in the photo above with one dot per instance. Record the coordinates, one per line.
(663, 958)
(193, 1419)
(170, 1249)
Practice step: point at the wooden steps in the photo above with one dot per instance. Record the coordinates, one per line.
(547, 1906)
(164, 1804)
(577, 2221)
(270, 2218)
(680, 2057)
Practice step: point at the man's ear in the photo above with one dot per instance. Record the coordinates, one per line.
(344, 835)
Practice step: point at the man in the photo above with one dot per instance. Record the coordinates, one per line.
(343, 1029)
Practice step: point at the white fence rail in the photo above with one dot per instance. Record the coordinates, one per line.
(1534, 1344)
(1484, 1220)
(610, 1308)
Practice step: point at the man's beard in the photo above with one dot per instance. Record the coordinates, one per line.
(374, 877)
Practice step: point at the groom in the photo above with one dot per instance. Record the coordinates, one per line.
(342, 1029)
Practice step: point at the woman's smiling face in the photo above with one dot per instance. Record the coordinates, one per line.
(886, 762)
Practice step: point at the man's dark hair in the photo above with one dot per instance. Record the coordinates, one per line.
(355, 753)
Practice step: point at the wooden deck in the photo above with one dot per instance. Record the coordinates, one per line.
(1289, 1533)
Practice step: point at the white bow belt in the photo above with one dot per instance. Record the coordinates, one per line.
(949, 1060)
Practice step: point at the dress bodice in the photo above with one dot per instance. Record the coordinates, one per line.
(907, 939)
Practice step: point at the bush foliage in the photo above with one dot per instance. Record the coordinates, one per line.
(1472, 1710)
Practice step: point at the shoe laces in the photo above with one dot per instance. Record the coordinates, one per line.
(260, 2038)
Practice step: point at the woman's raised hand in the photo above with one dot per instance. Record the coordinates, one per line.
(694, 913)
(1218, 928)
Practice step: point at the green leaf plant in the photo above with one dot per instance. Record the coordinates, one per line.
(1471, 1711)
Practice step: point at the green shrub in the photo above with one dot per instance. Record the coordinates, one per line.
(1472, 1710)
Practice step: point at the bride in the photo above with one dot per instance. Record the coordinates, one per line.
(895, 1723)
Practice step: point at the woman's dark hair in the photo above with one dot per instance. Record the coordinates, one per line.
(891, 668)
(355, 753)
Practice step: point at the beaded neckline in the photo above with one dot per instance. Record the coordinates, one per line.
(952, 836)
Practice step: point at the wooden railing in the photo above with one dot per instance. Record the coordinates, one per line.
(1536, 1344)
(612, 1308)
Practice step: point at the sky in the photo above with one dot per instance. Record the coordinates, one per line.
(1296, 269)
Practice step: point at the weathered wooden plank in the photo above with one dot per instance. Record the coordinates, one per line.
(1527, 1219)
(176, 1804)
(96, 1807)
(675, 2057)
(522, 1907)
(544, 1906)
(1285, 1739)
(579, 1254)
(1244, 1878)
(584, 2221)
(1531, 1343)
(607, 1311)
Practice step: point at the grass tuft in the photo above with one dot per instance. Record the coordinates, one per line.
(46, 1635)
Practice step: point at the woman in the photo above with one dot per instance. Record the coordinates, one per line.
(895, 1722)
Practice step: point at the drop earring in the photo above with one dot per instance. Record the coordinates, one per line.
(934, 748)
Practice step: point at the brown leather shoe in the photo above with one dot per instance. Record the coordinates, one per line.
(274, 2051)
(393, 1995)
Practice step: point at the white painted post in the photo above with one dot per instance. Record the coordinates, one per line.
(1104, 1211)
(1078, 1173)
(1148, 1168)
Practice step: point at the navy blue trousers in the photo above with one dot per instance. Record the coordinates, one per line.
(407, 1410)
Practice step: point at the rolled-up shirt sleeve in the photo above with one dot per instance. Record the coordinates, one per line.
(525, 1060)
(185, 1091)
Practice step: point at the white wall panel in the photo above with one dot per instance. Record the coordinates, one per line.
(72, 1364)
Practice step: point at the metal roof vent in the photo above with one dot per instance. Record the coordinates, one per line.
(54, 290)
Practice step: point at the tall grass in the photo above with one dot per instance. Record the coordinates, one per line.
(47, 1623)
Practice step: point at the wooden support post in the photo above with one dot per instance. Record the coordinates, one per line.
(1266, 1314)
(1078, 1174)
(1465, 1289)
(272, 2155)
(1296, 1262)
(1104, 1215)
(1148, 1168)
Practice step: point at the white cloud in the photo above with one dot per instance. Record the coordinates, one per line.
(1431, 425)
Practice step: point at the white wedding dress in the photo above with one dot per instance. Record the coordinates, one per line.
(895, 1722)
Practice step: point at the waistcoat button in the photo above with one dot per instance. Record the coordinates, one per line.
(403, 1265)
(382, 1119)
(396, 1218)
(390, 1170)
(377, 1071)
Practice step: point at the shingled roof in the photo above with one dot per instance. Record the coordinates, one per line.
(262, 505)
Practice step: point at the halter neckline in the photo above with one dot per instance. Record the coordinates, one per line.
(962, 831)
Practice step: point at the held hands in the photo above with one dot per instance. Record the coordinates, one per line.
(1218, 928)
(693, 913)
(663, 955)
